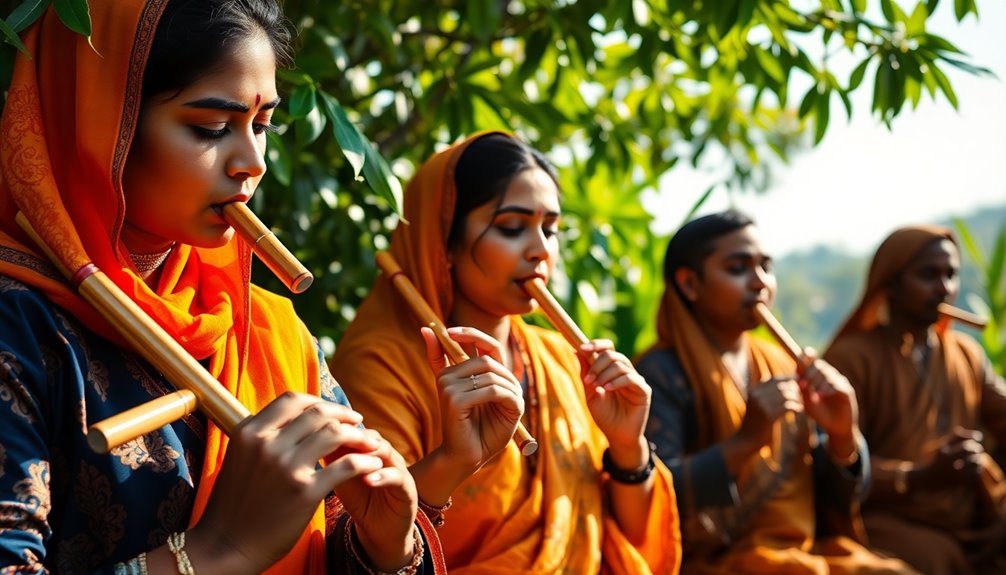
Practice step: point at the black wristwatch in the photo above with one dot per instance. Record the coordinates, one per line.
(631, 477)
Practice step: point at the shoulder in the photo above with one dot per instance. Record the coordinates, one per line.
(25, 311)
(659, 360)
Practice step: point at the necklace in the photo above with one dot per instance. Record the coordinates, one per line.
(149, 262)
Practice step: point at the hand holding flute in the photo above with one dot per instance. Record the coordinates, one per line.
(828, 397)
(617, 395)
(479, 381)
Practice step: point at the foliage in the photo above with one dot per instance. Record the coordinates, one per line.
(992, 302)
(617, 92)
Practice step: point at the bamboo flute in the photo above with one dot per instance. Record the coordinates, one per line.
(196, 385)
(536, 288)
(967, 318)
(267, 246)
(422, 310)
(781, 335)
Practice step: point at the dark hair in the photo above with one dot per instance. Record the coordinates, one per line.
(693, 243)
(193, 36)
(484, 172)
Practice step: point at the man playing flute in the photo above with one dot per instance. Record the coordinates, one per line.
(768, 461)
(927, 396)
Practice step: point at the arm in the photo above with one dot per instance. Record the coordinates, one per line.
(701, 479)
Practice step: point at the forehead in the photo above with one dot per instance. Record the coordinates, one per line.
(245, 74)
(941, 252)
(744, 241)
(534, 189)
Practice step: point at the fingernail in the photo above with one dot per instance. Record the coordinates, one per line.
(589, 378)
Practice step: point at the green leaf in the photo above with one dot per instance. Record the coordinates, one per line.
(278, 158)
(961, 8)
(484, 18)
(27, 13)
(997, 264)
(351, 141)
(11, 36)
(917, 23)
(858, 6)
(856, 78)
(310, 126)
(937, 43)
(75, 15)
(378, 175)
(823, 110)
(808, 102)
(770, 65)
(302, 101)
(944, 84)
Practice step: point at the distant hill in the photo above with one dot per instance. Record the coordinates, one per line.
(819, 286)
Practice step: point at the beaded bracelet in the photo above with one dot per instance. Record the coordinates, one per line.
(349, 533)
(632, 477)
(433, 513)
(176, 543)
(135, 566)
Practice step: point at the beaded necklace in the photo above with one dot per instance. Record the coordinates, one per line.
(145, 263)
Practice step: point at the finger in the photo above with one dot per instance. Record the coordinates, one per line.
(386, 477)
(343, 469)
(309, 421)
(480, 366)
(278, 412)
(434, 351)
(596, 346)
(484, 343)
(629, 385)
(329, 443)
(603, 362)
(498, 393)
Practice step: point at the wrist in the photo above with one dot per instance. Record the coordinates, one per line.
(843, 450)
(630, 457)
(629, 476)
(437, 476)
(385, 553)
(395, 562)
(213, 553)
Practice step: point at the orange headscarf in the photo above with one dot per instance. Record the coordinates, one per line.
(67, 126)
(511, 516)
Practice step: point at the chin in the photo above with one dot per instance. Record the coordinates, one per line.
(216, 238)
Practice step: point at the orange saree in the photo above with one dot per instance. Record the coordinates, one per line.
(67, 127)
(515, 515)
(904, 417)
(772, 527)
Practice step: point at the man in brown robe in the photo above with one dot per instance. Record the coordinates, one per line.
(926, 396)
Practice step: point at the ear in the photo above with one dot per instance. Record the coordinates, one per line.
(688, 283)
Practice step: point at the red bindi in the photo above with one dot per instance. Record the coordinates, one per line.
(258, 98)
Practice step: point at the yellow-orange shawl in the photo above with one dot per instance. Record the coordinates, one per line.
(508, 517)
(773, 529)
(902, 418)
(67, 126)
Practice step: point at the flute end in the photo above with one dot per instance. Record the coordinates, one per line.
(528, 447)
(302, 282)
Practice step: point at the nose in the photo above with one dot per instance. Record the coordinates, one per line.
(247, 160)
(760, 279)
(537, 248)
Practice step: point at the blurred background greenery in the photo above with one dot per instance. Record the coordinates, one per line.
(617, 93)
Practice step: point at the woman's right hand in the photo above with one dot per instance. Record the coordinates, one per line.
(481, 401)
(270, 484)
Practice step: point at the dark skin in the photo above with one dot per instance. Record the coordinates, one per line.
(931, 278)
(722, 296)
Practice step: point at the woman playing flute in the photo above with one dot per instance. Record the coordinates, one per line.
(927, 394)
(121, 146)
(734, 420)
(482, 218)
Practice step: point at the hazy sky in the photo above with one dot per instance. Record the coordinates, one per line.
(863, 181)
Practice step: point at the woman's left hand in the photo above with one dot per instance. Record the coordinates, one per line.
(384, 505)
(617, 396)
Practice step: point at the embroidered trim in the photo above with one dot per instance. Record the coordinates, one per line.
(31, 262)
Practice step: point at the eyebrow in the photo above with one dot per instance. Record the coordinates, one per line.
(523, 211)
(747, 256)
(229, 105)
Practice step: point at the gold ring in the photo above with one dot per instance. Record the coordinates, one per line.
(475, 381)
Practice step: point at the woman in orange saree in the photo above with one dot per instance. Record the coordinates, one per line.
(118, 148)
(736, 424)
(480, 218)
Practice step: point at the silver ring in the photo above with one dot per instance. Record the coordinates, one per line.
(475, 381)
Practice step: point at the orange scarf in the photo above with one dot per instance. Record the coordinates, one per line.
(68, 123)
(510, 516)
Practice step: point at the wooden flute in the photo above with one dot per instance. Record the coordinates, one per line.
(267, 246)
(425, 314)
(536, 288)
(781, 335)
(967, 318)
(195, 385)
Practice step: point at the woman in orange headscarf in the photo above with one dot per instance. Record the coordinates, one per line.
(938, 500)
(735, 423)
(119, 149)
(480, 218)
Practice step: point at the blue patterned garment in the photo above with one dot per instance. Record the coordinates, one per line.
(64, 508)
